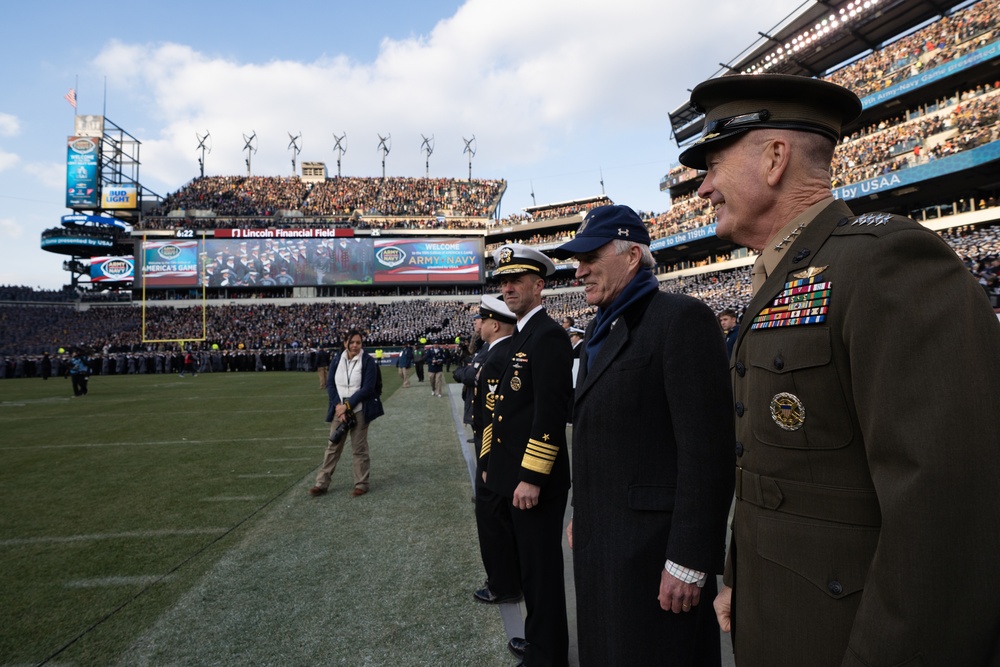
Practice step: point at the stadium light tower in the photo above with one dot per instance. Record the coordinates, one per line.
(340, 147)
(250, 147)
(427, 147)
(203, 145)
(470, 148)
(384, 145)
(293, 146)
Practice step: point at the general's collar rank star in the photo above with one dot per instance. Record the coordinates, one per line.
(872, 219)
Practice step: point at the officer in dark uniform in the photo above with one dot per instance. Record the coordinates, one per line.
(527, 462)
(866, 528)
(496, 534)
(575, 339)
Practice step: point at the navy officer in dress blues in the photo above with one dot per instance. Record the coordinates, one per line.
(865, 377)
(496, 534)
(527, 462)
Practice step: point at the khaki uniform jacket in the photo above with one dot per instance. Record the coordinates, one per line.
(867, 525)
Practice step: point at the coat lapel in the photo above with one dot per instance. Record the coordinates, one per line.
(612, 346)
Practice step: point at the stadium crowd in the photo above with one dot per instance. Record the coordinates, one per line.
(941, 42)
(29, 330)
(267, 196)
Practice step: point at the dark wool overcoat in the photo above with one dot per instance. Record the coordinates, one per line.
(652, 462)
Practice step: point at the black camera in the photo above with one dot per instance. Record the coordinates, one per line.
(350, 421)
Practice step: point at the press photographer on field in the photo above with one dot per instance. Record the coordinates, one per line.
(354, 390)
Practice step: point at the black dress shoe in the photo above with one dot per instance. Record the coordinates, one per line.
(516, 646)
(486, 596)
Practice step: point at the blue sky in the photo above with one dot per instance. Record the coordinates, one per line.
(556, 92)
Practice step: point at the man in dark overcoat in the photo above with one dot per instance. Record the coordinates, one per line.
(652, 457)
(867, 526)
(527, 462)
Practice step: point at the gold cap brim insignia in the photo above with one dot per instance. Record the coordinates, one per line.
(787, 411)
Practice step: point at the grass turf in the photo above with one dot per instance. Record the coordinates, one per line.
(164, 520)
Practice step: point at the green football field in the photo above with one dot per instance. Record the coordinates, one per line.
(162, 520)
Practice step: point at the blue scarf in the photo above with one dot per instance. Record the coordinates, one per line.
(642, 285)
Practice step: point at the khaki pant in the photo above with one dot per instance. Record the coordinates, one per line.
(359, 446)
(322, 371)
(405, 374)
(436, 383)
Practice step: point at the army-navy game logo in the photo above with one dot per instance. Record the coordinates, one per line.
(390, 256)
(117, 268)
(169, 251)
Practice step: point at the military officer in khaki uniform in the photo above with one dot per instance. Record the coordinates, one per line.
(867, 525)
(526, 459)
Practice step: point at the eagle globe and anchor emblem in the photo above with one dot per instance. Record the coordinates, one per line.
(787, 411)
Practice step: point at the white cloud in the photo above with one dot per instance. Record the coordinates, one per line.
(10, 126)
(10, 229)
(49, 174)
(8, 160)
(529, 79)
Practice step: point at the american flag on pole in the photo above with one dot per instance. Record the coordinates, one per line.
(71, 97)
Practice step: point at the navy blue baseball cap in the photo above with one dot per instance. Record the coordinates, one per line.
(603, 225)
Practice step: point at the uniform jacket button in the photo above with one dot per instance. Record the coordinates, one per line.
(741, 370)
(835, 587)
(779, 363)
(739, 448)
(739, 409)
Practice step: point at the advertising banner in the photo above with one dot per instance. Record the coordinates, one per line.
(428, 260)
(119, 196)
(281, 233)
(89, 126)
(81, 172)
(170, 263)
(112, 269)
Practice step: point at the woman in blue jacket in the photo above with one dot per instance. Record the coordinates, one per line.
(352, 386)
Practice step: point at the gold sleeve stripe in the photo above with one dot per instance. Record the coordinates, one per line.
(543, 447)
(536, 464)
(487, 440)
